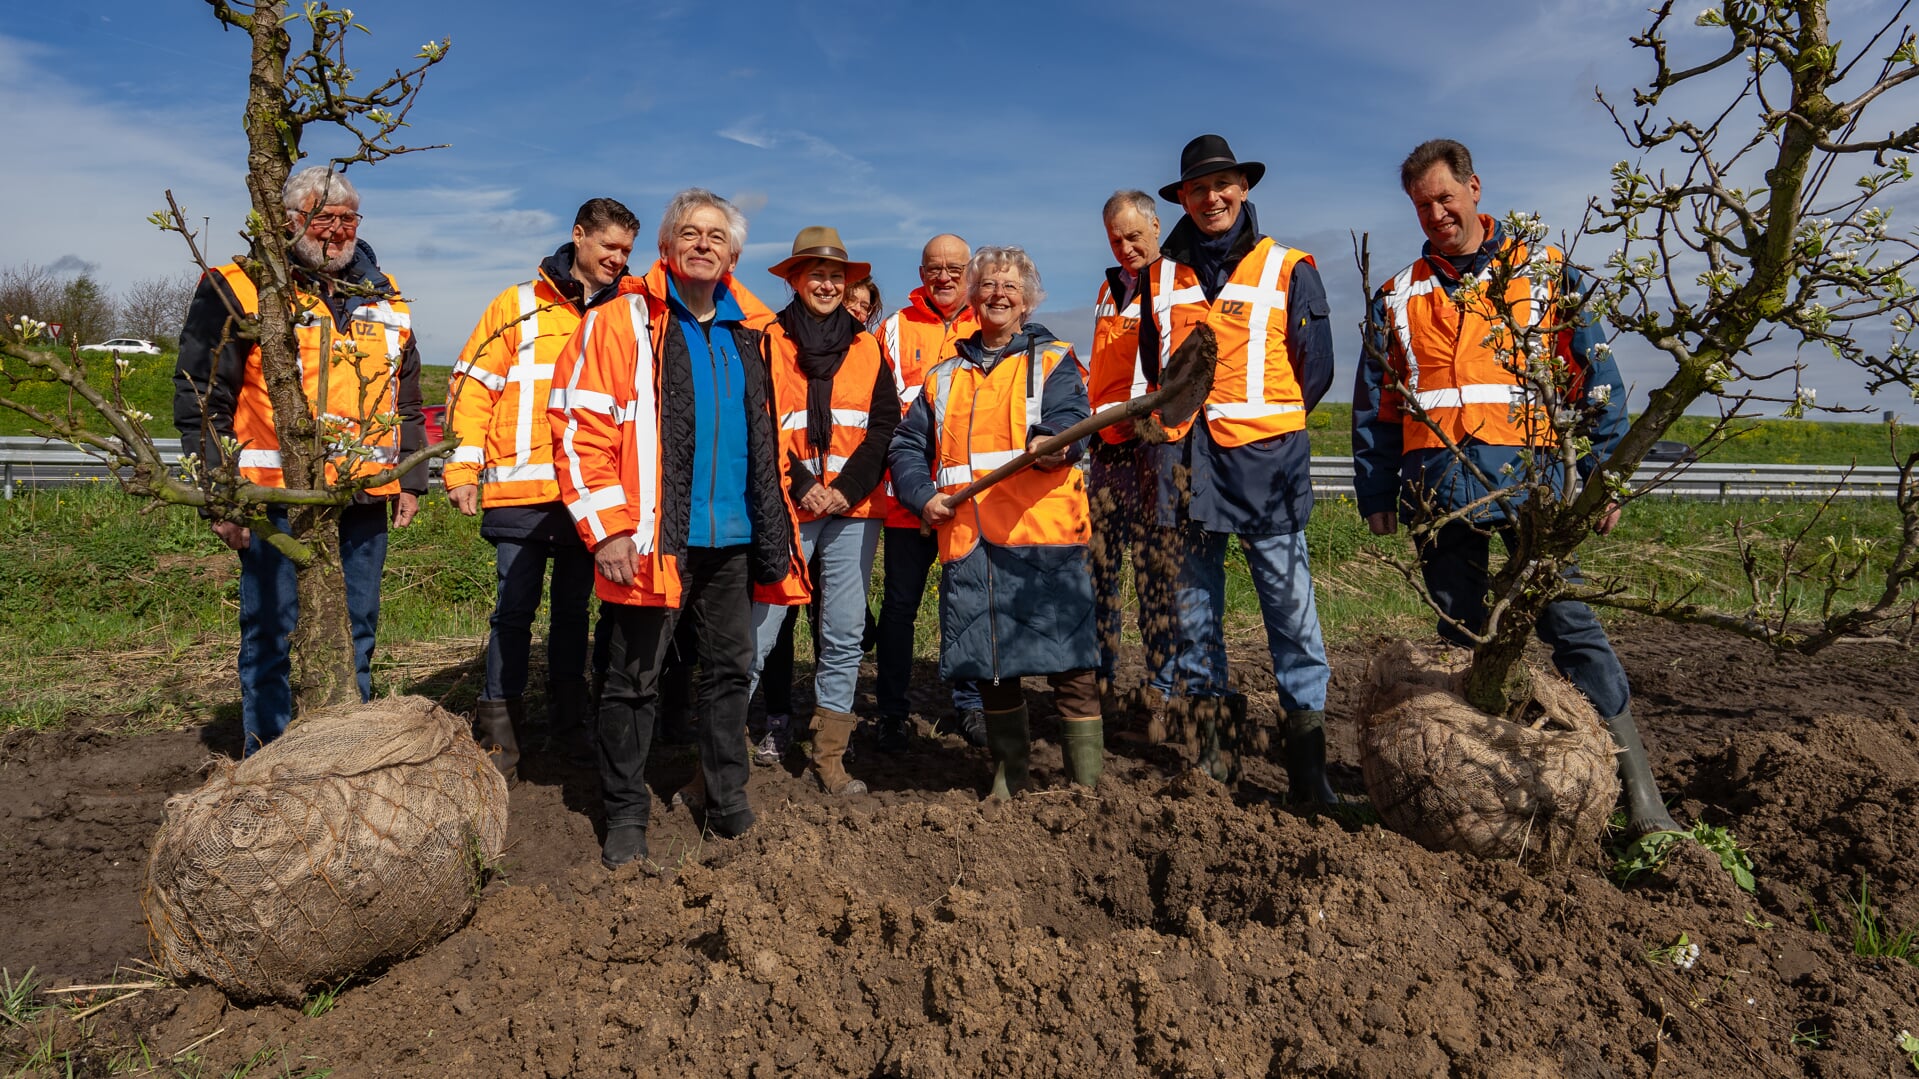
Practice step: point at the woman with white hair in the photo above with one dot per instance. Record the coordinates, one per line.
(1016, 592)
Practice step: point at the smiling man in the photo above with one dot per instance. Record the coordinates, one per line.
(220, 393)
(497, 403)
(667, 455)
(1437, 356)
(1243, 466)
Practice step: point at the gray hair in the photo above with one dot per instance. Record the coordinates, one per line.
(1138, 200)
(682, 206)
(320, 186)
(989, 259)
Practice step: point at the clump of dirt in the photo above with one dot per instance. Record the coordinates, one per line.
(1158, 926)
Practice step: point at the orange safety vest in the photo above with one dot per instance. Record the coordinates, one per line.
(1446, 352)
(362, 381)
(604, 414)
(1113, 374)
(852, 405)
(498, 395)
(980, 421)
(1255, 394)
(915, 338)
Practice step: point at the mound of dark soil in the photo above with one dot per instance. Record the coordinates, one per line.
(1159, 927)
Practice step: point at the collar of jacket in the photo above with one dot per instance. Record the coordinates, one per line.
(1032, 335)
(1183, 243)
(363, 270)
(557, 268)
(921, 301)
(657, 284)
(1121, 289)
(1490, 246)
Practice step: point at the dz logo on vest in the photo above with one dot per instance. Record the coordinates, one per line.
(1233, 307)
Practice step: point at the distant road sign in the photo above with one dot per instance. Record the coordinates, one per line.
(54, 328)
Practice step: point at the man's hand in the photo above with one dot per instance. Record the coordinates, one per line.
(1383, 523)
(405, 508)
(938, 510)
(1608, 520)
(465, 498)
(233, 534)
(1052, 462)
(617, 558)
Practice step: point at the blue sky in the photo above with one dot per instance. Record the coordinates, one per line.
(890, 121)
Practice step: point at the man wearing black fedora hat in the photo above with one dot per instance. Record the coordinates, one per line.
(1242, 466)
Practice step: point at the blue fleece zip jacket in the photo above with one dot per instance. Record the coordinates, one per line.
(717, 516)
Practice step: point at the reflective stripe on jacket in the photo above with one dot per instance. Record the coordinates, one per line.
(852, 403)
(1445, 348)
(1114, 375)
(613, 443)
(362, 384)
(913, 339)
(1255, 394)
(498, 396)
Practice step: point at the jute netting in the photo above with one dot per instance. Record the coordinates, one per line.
(1454, 778)
(358, 837)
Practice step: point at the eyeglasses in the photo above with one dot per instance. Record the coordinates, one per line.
(1004, 288)
(934, 273)
(334, 221)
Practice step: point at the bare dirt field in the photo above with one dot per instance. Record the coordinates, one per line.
(1159, 927)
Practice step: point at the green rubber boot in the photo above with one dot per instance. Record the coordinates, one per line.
(1306, 760)
(1010, 740)
(1082, 741)
(1645, 810)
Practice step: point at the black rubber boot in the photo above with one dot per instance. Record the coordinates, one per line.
(493, 730)
(896, 734)
(1206, 714)
(624, 843)
(571, 726)
(1645, 810)
(1306, 760)
(1012, 745)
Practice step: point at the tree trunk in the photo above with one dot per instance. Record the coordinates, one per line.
(324, 669)
(1498, 683)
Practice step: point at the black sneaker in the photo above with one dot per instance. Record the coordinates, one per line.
(730, 825)
(972, 727)
(624, 843)
(896, 734)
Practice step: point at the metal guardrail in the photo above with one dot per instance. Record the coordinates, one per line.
(39, 462)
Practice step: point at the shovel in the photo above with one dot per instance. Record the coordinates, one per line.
(1187, 379)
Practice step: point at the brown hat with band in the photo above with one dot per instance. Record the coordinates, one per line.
(820, 242)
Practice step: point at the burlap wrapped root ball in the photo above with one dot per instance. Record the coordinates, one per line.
(358, 837)
(1451, 777)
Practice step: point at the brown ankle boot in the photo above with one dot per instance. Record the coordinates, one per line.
(831, 732)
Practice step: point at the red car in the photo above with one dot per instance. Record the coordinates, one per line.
(435, 423)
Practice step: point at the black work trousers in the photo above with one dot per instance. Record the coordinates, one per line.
(716, 593)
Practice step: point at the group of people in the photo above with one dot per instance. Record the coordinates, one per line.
(706, 465)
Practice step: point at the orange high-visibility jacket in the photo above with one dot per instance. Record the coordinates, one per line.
(362, 385)
(1255, 394)
(852, 404)
(1446, 352)
(914, 338)
(981, 420)
(1113, 374)
(498, 394)
(607, 429)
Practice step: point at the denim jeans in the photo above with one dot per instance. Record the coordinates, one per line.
(1455, 564)
(521, 568)
(1283, 581)
(909, 557)
(845, 548)
(270, 609)
(1121, 492)
(716, 594)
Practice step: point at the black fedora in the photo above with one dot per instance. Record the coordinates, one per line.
(1206, 155)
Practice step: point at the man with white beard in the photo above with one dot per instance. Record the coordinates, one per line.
(353, 327)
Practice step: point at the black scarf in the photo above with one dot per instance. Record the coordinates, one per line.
(822, 344)
(1216, 257)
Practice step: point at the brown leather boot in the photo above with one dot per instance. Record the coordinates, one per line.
(831, 732)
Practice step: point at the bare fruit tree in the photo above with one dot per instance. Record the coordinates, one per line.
(154, 307)
(1767, 221)
(291, 86)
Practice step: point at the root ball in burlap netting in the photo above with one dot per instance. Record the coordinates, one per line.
(1454, 778)
(358, 837)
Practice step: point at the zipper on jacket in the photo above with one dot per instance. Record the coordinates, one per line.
(713, 465)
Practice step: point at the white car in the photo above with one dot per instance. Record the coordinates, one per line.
(123, 345)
